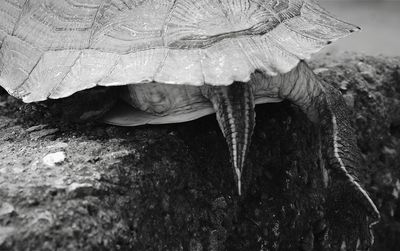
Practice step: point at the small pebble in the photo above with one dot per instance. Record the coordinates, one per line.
(42, 133)
(75, 186)
(54, 159)
(79, 190)
(6, 209)
(36, 128)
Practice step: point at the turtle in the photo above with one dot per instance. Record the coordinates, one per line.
(179, 60)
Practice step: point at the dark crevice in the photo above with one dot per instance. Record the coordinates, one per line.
(395, 129)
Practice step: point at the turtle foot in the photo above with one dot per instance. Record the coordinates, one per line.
(352, 211)
(343, 154)
(349, 221)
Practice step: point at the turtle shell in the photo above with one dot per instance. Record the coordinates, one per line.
(52, 49)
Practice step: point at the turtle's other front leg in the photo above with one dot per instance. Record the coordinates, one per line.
(325, 105)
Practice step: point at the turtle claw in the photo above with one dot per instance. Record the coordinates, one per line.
(353, 236)
(349, 222)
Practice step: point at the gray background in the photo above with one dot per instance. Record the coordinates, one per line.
(380, 23)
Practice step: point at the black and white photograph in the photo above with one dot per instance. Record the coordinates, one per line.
(200, 125)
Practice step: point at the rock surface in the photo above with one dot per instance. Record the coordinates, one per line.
(170, 187)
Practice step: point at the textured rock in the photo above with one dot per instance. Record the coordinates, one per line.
(171, 187)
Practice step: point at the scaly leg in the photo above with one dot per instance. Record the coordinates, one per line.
(234, 107)
(325, 105)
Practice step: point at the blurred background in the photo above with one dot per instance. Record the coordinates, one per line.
(380, 23)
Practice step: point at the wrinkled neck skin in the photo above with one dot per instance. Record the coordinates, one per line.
(165, 99)
(300, 86)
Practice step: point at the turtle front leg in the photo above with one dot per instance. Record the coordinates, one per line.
(354, 212)
(234, 107)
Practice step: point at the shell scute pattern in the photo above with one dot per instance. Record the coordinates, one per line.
(73, 45)
(279, 5)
